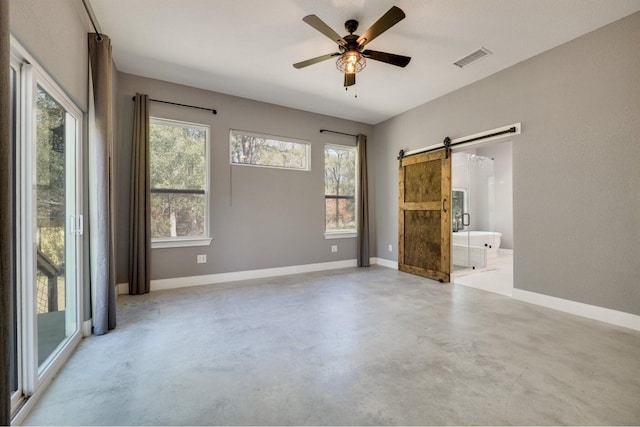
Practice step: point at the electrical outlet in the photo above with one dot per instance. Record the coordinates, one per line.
(334, 248)
(201, 259)
(390, 248)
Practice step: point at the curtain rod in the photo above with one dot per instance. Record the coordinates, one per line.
(214, 111)
(339, 133)
(98, 35)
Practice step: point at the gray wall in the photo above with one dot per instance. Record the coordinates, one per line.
(53, 33)
(260, 218)
(576, 196)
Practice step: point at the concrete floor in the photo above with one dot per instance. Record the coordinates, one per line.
(355, 346)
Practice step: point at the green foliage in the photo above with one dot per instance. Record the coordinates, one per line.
(177, 157)
(254, 150)
(175, 215)
(50, 176)
(340, 180)
(177, 162)
(340, 214)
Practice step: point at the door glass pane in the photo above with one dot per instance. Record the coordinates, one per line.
(481, 240)
(473, 213)
(13, 355)
(55, 202)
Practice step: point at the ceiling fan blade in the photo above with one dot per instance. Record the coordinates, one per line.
(319, 25)
(312, 61)
(349, 79)
(388, 20)
(389, 58)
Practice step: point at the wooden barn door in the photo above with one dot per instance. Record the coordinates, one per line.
(425, 218)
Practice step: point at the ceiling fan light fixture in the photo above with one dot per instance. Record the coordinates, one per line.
(351, 62)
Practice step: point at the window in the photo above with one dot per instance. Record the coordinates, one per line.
(340, 191)
(179, 169)
(268, 151)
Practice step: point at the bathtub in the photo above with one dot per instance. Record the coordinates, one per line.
(477, 249)
(476, 238)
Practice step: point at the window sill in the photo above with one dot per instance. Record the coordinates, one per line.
(340, 234)
(180, 242)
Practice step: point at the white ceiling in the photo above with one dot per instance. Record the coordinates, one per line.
(246, 48)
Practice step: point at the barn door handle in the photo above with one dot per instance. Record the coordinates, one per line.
(444, 207)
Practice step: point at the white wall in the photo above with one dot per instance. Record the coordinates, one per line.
(576, 196)
(501, 152)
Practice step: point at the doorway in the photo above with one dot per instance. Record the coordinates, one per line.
(482, 217)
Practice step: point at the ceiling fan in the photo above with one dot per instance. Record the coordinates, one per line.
(352, 54)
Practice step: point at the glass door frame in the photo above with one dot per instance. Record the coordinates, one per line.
(31, 377)
(16, 104)
(470, 196)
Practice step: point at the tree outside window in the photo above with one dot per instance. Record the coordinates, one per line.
(178, 167)
(340, 188)
(253, 149)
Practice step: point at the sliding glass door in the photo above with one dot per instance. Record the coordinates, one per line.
(47, 228)
(55, 224)
(475, 242)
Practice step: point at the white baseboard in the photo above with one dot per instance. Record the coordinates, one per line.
(602, 314)
(614, 317)
(385, 263)
(210, 279)
(86, 329)
(122, 289)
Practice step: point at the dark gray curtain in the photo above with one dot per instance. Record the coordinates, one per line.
(363, 204)
(5, 217)
(140, 201)
(101, 216)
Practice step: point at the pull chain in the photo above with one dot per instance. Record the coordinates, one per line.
(356, 88)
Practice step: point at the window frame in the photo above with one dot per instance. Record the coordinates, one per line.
(188, 241)
(307, 145)
(349, 233)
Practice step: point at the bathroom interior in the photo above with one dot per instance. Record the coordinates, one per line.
(482, 217)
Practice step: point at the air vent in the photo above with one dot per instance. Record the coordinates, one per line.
(473, 57)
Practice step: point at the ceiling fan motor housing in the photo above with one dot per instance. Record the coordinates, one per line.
(351, 26)
(352, 39)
